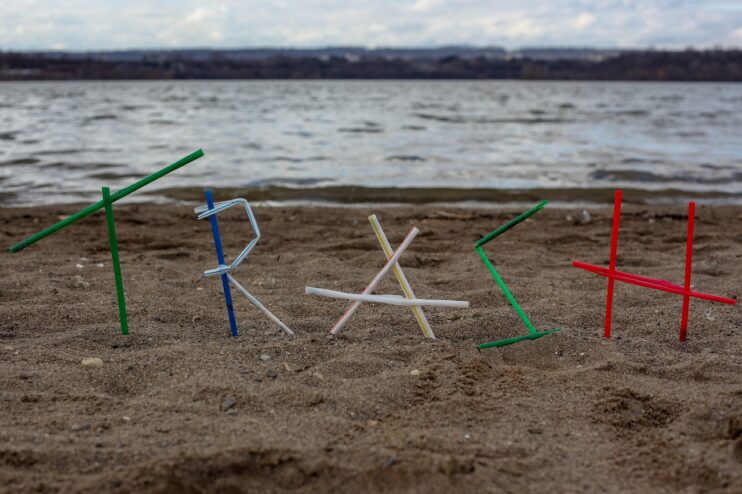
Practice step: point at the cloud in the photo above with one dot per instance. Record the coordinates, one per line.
(425, 5)
(735, 37)
(584, 20)
(117, 24)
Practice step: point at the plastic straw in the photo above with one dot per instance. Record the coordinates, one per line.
(517, 339)
(377, 279)
(533, 333)
(220, 260)
(259, 306)
(646, 282)
(100, 204)
(107, 204)
(205, 212)
(417, 311)
(510, 224)
(612, 264)
(688, 262)
(643, 281)
(386, 299)
(504, 288)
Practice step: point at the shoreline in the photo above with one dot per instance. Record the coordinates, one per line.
(357, 196)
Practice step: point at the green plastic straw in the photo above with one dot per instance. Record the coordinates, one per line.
(505, 290)
(108, 204)
(510, 224)
(510, 341)
(533, 333)
(100, 204)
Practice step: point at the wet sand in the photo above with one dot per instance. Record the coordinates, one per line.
(180, 406)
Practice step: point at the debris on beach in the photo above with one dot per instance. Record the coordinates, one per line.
(92, 362)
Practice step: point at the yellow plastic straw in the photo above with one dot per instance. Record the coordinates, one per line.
(377, 279)
(401, 278)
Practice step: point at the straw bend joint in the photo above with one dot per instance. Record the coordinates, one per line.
(204, 211)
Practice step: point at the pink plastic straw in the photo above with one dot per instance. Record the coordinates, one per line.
(656, 284)
(377, 279)
(612, 264)
(688, 262)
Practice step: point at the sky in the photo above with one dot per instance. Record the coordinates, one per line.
(121, 24)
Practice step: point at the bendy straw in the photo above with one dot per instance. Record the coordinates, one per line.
(387, 299)
(643, 281)
(259, 306)
(204, 211)
(510, 224)
(220, 259)
(100, 204)
(115, 260)
(401, 278)
(210, 210)
(107, 203)
(533, 333)
(377, 279)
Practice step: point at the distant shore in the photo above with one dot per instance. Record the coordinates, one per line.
(617, 65)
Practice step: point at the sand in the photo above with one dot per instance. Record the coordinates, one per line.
(180, 406)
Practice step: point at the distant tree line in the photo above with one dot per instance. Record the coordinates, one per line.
(689, 65)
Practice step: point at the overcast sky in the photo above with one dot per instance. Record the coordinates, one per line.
(116, 24)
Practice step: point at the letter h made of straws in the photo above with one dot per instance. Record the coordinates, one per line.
(614, 275)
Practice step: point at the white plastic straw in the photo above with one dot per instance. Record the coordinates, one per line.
(387, 299)
(377, 279)
(257, 304)
(203, 211)
(417, 311)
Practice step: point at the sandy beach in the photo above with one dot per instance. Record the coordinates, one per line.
(180, 406)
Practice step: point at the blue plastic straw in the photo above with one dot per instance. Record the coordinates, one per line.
(220, 259)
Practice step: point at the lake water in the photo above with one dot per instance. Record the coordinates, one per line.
(61, 141)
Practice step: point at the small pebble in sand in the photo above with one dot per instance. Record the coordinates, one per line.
(92, 362)
(228, 402)
(414, 372)
(585, 217)
(265, 357)
(272, 374)
(79, 427)
(79, 282)
(100, 264)
(79, 266)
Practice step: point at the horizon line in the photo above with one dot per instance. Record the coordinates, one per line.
(377, 48)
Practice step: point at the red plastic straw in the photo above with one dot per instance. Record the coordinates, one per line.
(688, 262)
(612, 265)
(655, 284)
